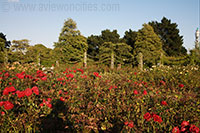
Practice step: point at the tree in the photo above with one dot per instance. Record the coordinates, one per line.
(169, 35)
(114, 53)
(130, 38)
(94, 43)
(39, 54)
(149, 44)
(110, 36)
(71, 44)
(20, 45)
(4, 45)
(18, 50)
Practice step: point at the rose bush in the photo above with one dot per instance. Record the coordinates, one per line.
(160, 99)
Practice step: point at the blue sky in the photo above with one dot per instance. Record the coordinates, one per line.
(41, 20)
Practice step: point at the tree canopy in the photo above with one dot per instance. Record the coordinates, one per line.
(4, 45)
(149, 44)
(71, 43)
(169, 35)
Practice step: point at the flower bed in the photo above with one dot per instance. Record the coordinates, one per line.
(96, 99)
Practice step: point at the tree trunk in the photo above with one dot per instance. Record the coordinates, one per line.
(85, 59)
(112, 61)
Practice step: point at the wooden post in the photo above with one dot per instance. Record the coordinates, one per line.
(6, 57)
(140, 61)
(57, 64)
(38, 59)
(119, 66)
(161, 59)
(112, 61)
(85, 59)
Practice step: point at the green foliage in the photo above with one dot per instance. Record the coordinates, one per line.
(71, 44)
(40, 54)
(130, 38)
(94, 43)
(169, 34)
(176, 60)
(149, 44)
(20, 45)
(4, 45)
(120, 51)
(194, 57)
(110, 36)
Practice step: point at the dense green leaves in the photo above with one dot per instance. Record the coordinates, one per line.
(160, 44)
(71, 44)
(149, 44)
(4, 45)
(169, 34)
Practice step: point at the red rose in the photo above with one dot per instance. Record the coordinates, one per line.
(126, 123)
(183, 129)
(44, 78)
(181, 85)
(110, 87)
(135, 92)
(60, 92)
(35, 90)
(8, 105)
(194, 129)
(7, 90)
(97, 74)
(28, 92)
(2, 113)
(49, 105)
(185, 123)
(162, 82)
(175, 130)
(1, 103)
(145, 92)
(41, 105)
(11, 89)
(130, 124)
(157, 118)
(164, 103)
(81, 70)
(49, 99)
(20, 94)
(62, 99)
(147, 116)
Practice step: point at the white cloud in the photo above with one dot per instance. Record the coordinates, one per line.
(13, 0)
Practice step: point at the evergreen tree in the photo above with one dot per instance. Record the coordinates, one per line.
(20, 45)
(110, 36)
(71, 44)
(169, 34)
(112, 53)
(149, 44)
(130, 38)
(18, 50)
(39, 54)
(94, 42)
(4, 45)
